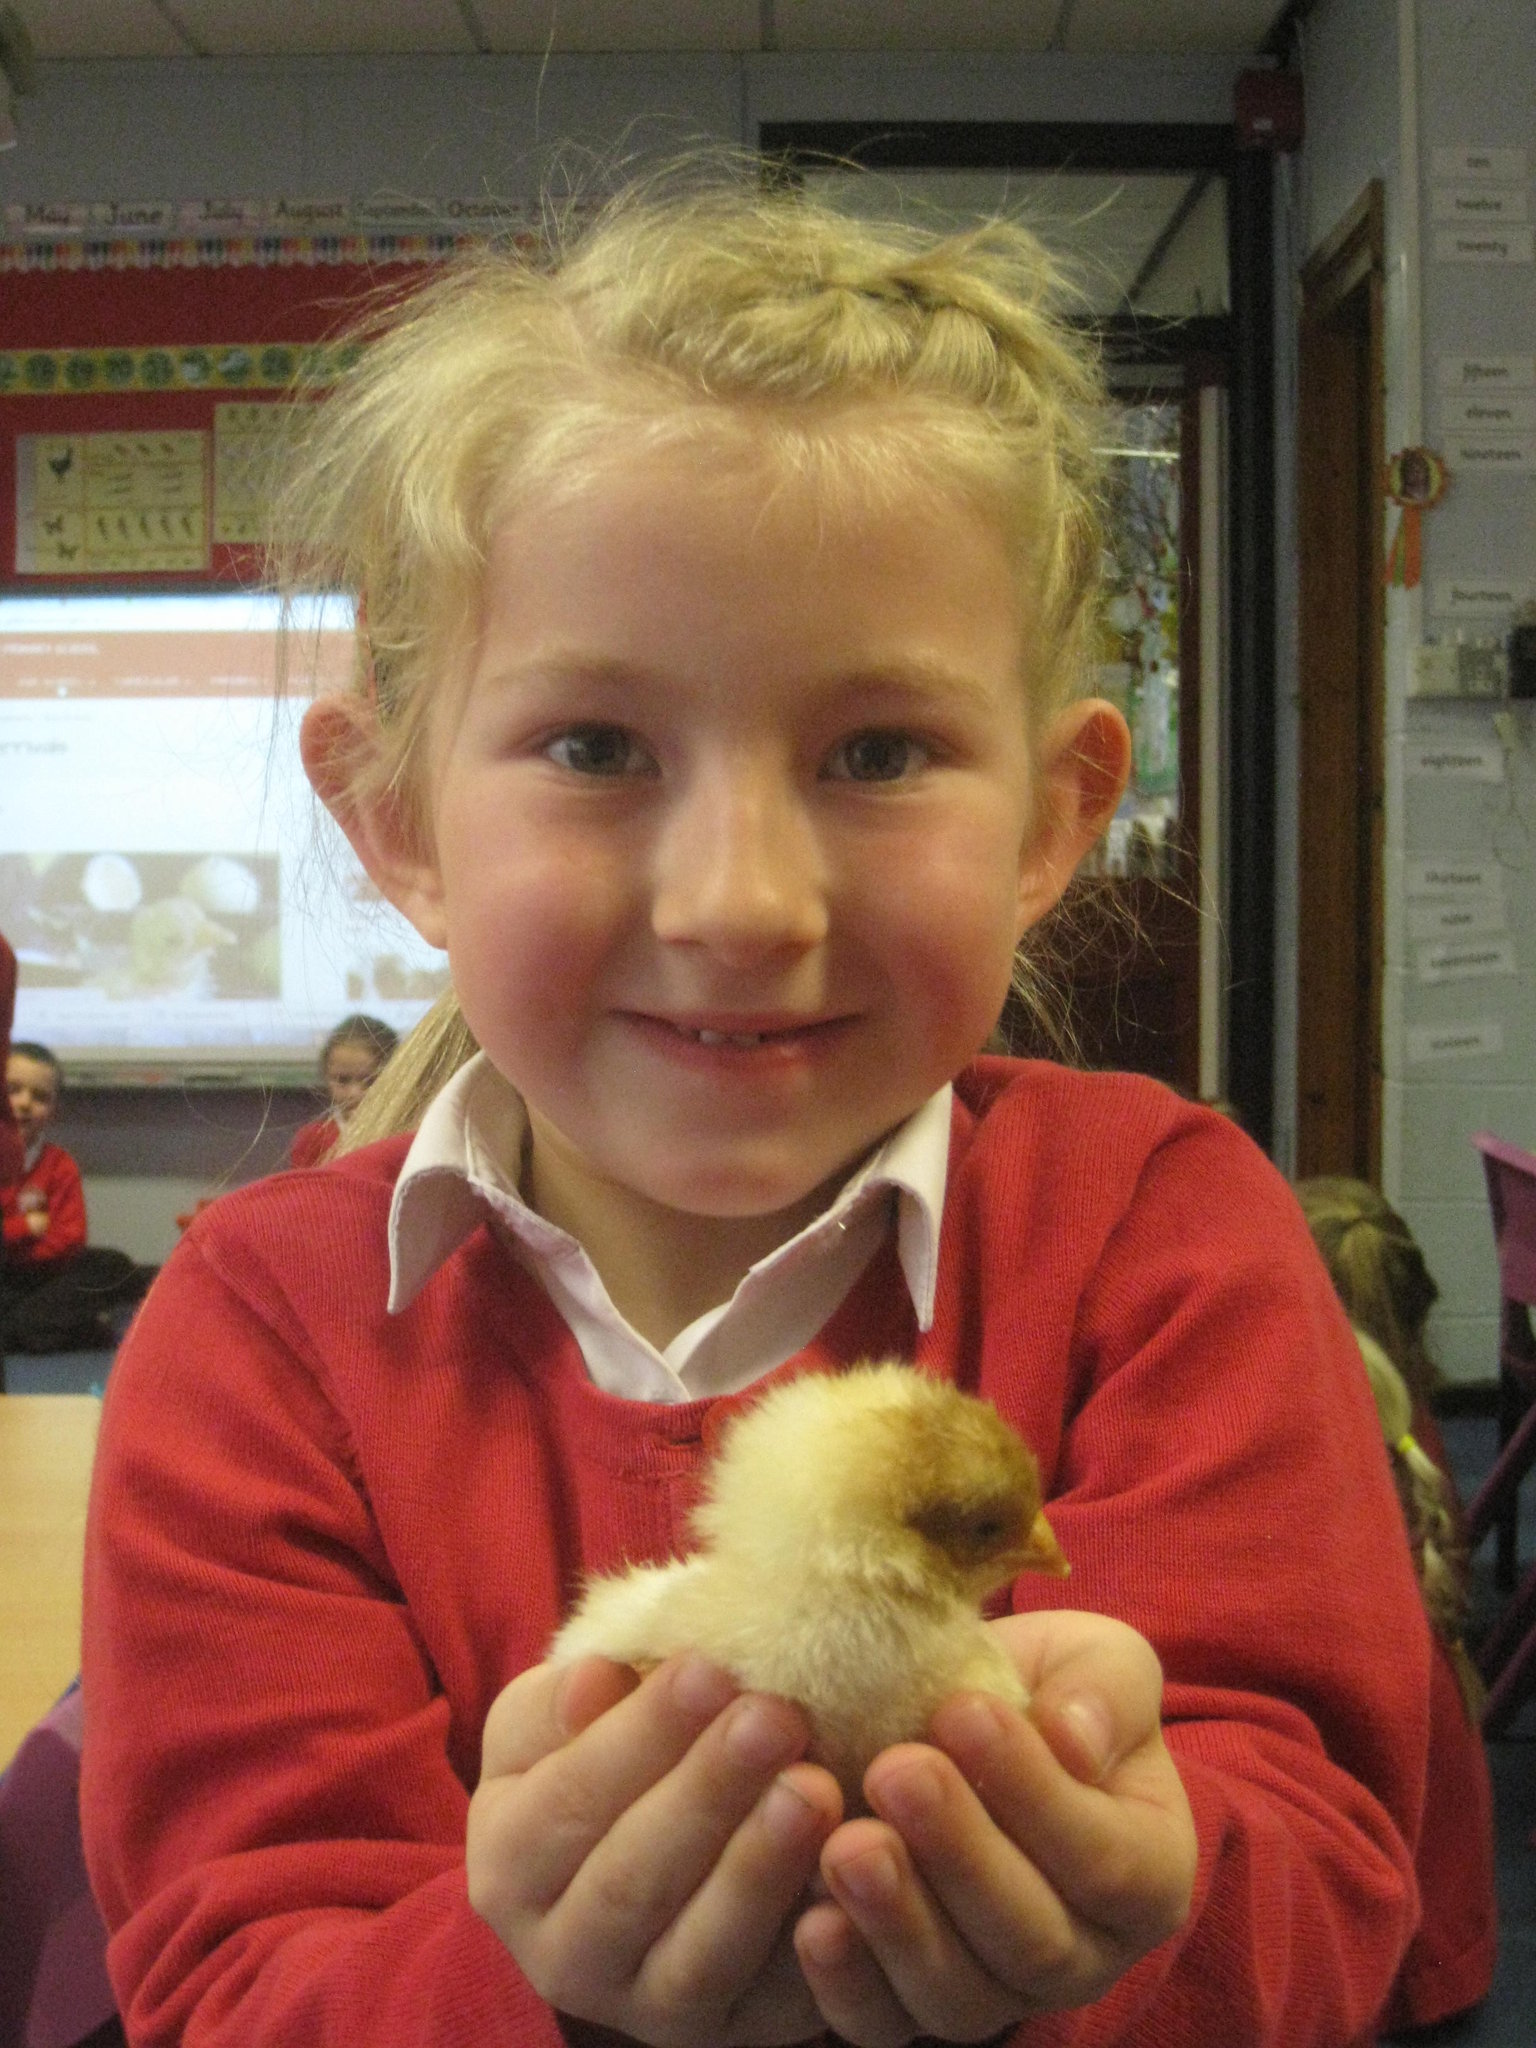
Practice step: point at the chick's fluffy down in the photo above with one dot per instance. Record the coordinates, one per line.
(851, 1525)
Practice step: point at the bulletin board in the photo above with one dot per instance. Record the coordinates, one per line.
(174, 905)
(133, 391)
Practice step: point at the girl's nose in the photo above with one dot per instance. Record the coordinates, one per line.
(738, 867)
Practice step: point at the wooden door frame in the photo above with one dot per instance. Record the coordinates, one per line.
(1342, 683)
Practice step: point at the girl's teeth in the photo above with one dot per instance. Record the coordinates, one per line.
(742, 1038)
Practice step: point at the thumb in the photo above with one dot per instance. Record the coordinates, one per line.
(1096, 1687)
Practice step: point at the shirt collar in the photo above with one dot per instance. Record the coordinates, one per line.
(466, 1158)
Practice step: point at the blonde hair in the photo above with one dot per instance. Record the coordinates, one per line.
(687, 310)
(1377, 1269)
(1380, 1276)
(1431, 1517)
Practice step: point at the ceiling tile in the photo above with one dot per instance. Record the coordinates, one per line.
(1168, 27)
(1015, 25)
(62, 29)
(600, 25)
(300, 28)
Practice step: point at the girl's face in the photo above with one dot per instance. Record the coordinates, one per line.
(350, 1071)
(737, 825)
(33, 1091)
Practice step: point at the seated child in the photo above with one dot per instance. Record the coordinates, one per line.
(10, 1136)
(351, 1060)
(56, 1292)
(1387, 1291)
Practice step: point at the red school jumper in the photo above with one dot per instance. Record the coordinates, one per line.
(322, 1539)
(54, 1176)
(313, 1143)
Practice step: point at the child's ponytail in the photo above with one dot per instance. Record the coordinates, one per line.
(1430, 1516)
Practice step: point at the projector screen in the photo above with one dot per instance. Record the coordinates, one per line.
(180, 905)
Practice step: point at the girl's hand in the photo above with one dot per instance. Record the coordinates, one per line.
(641, 1849)
(1018, 1863)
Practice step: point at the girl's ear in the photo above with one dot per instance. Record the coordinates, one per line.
(337, 739)
(1085, 759)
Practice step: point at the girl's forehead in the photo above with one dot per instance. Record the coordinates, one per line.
(352, 1052)
(850, 459)
(22, 1072)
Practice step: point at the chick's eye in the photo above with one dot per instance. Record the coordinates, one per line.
(605, 750)
(876, 756)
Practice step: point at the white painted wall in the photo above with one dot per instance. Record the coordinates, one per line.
(1388, 82)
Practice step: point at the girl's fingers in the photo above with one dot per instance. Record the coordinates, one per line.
(965, 1931)
(675, 1846)
(543, 1707)
(849, 1986)
(1121, 1853)
(533, 1827)
(726, 1950)
(1095, 1685)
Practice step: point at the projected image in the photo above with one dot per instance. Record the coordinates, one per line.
(180, 901)
(138, 925)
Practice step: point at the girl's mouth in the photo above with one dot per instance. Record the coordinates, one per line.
(782, 1036)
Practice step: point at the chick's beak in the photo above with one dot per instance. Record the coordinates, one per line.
(1041, 1552)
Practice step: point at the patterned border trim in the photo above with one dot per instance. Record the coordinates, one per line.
(78, 372)
(141, 252)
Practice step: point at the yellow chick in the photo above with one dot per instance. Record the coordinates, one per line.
(851, 1526)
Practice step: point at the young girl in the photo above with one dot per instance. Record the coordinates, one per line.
(725, 582)
(1388, 1291)
(351, 1060)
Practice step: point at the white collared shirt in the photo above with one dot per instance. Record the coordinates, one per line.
(463, 1164)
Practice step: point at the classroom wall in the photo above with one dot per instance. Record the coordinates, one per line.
(466, 128)
(1389, 83)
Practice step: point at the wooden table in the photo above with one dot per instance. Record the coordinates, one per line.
(47, 1443)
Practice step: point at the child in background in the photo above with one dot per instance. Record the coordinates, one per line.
(56, 1292)
(1387, 1291)
(10, 1136)
(725, 585)
(351, 1060)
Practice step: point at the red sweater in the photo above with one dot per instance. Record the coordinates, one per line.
(313, 1143)
(322, 1539)
(54, 1176)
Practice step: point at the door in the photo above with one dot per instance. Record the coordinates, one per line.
(1340, 464)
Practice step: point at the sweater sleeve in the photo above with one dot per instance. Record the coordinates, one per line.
(1221, 1484)
(273, 1825)
(59, 1179)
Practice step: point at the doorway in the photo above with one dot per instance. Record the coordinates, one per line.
(1340, 464)
(1169, 968)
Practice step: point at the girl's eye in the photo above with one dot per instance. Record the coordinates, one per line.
(876, 757)
(606, 750)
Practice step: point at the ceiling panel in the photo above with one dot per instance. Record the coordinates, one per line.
(100, 28)
(141, 28)
(1230, 27)
(1005, 25)
(604, 25)
(235, 28)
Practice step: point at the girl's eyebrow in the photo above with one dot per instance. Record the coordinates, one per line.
(914, 678)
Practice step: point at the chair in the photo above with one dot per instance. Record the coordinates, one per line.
(54, 1990)
(1507, 1656)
